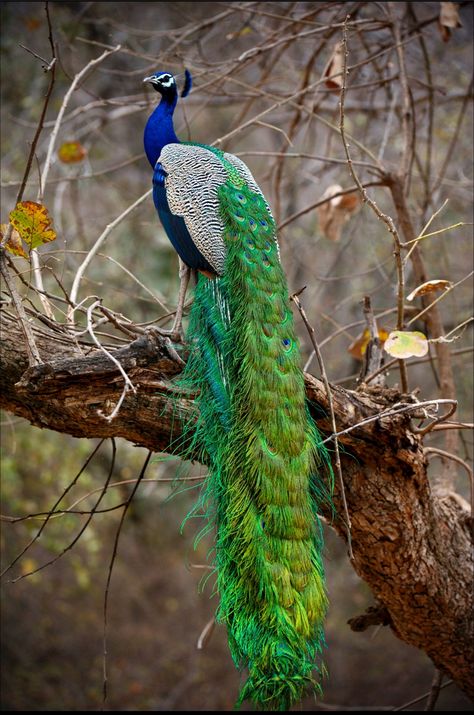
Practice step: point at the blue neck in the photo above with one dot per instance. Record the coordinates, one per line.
(159, 130)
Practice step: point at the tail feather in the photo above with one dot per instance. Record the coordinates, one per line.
(262, 448)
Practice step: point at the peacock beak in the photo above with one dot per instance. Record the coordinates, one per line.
(151, 79)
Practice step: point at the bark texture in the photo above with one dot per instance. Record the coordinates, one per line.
(411, 545)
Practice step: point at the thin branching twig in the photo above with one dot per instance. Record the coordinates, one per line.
(54, 507)
(110, 570)
(370, 202)
(334, 436)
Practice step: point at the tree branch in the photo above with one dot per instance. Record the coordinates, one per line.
(411, 546)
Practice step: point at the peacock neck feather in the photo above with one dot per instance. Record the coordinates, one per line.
(159, 130)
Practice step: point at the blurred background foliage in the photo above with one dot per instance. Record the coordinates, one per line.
(53, 620)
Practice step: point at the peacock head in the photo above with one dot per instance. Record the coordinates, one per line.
(165, 84)
(162, 82)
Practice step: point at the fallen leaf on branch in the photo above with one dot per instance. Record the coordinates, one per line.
(334, 213)
(430, 287)
(401, 344)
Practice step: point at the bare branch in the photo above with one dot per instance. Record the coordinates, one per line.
(386, 219)
(52, 141)
(34, 357)
(337, 457)
(103, 236)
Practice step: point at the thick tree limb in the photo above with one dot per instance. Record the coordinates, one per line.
(412, 546)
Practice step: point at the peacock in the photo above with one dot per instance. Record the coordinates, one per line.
(263, 450)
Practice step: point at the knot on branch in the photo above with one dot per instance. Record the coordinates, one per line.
(374, 616)
(34, 376)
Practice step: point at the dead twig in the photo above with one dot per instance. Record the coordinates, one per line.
(103, 236)
(432, 316)
(51, 68)
(128, 385)
(111, 566)
(436, 452)
(435, 688)
(374, 351)
(52, 141)
(337, 457)
(396, 410)
(49, 155)
(91, 513)
(53, 508)
(34, 357)
(407, 113)
(386, 219)
(421, 697)
(71, 510)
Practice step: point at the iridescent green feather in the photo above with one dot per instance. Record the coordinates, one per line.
(263, 452)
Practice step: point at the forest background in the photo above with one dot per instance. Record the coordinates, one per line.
(270, 86)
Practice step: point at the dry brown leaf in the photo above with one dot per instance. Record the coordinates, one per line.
(333, 214)
(430, 287)
(334, 67)
(448, 19)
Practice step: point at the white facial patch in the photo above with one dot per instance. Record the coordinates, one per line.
(166, 80)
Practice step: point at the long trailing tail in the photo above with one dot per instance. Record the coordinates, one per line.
(263, 452)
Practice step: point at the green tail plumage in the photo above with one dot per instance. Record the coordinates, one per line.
(263, 452)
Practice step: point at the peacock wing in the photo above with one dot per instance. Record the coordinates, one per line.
(193, 177)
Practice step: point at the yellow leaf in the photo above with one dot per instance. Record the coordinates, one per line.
(71, 152)
(14, 244)
(28, 565)
(359, 346)
(401, 344)
(33, 223)
(429, 287)
(239, 33)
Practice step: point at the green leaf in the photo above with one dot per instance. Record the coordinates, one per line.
(33, 223)
(401, 344)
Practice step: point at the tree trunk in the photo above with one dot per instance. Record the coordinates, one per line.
(411, 545)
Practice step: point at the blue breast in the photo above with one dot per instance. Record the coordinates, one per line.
(175, 226)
